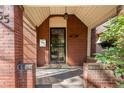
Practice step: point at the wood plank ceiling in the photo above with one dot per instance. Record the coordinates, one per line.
(91, 15)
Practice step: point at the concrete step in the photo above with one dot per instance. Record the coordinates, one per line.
(59, 78)
(74, 82)
(44, 86)
(59, 66)
(50, 76)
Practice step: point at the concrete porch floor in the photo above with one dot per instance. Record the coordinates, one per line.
(64, 77)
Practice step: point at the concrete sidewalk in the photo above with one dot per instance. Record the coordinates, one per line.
(59, 78)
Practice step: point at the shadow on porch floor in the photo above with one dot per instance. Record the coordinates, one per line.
(68, 77)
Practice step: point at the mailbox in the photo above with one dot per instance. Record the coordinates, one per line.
(21, 67)
(29, 66)
(25, 66)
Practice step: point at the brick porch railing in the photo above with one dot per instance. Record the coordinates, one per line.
(97, 76)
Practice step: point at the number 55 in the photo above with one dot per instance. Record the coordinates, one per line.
(6, 19)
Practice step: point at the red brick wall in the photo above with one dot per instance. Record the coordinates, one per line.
(77, 46)
(97, 76)
(27, 78)
(43, 53)
(10, 47)
(29, 53)
(18, 32)
(31, 77)
(29, 42)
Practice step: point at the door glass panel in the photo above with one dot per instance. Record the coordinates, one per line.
(58, 45)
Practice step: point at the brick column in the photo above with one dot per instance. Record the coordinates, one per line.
(121, 11)
(97, 76)
(93, 42)
(11, 45)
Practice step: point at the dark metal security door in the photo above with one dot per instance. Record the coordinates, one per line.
(57, 45)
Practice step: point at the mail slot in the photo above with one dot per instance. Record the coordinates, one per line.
(25, 66)
(29, 66)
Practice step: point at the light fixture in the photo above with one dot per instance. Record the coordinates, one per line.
(65, 14)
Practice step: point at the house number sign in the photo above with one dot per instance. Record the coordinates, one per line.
(4, 17)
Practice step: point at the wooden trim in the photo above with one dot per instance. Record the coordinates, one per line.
(56, 15)
(59, 15)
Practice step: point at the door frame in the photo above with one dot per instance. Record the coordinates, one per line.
(65, 39)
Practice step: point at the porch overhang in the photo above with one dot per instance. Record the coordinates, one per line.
(91, 15)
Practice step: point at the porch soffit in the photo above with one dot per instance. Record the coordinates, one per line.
(91, 15)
